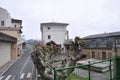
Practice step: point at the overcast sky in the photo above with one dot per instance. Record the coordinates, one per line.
(85, 17)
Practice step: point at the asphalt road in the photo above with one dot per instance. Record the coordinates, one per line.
(21, 69)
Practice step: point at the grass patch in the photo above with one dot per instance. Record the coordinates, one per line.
(74, 76)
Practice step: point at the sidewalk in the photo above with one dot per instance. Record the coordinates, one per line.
(6, 66)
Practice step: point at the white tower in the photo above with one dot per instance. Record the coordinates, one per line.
(53, 31)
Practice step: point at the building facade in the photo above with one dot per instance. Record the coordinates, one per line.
(11, 27)
(102, 46)
(54, 31)
(7, 48)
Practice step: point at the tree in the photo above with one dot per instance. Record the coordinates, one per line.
(44, 58)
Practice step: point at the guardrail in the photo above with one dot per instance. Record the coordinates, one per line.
(89, 71)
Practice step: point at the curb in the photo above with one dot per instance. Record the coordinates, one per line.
(8, 66)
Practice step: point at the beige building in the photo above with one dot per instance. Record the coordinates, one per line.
(10, 37)
(7, 48)
(14, 32)
(11, 27)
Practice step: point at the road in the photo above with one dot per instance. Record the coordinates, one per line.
(21, 69)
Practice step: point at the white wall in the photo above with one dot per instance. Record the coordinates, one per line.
(58, 34)
(58, 37)
(5, 16)
(5, 52)
(17, 24)
(54, 28)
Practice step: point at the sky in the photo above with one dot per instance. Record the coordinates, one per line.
(85, 17)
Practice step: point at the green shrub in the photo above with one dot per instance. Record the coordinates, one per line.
(74, 76)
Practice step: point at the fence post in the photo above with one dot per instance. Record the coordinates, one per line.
(89, 70)
(110, 69)
(118, 68)
(55, 74)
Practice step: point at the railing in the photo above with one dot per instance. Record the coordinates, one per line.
(93, 71)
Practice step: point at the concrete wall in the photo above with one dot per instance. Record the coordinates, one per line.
(5, 52)
(14, 51)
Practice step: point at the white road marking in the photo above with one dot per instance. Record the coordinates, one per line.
(24, 65)
(1, 77)
(28, 75)
(8, 67)
(22, 76)
(8, 77)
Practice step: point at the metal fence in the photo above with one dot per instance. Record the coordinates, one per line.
(108, 69)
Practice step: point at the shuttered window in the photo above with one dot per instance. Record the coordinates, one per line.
(49, 37)
(2, 23)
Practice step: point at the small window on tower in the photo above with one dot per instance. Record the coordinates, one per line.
(15, 25)
(7, 15)
(2, 23)
(48, 28)
(49, 37)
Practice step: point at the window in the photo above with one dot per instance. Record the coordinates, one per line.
(93, 43)
(15, 25)
(118, 41)
(103, 55)
(48, 28)
(2, 23)
(7, 15)
(104, 41)
(49, 37)
(93, 54)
